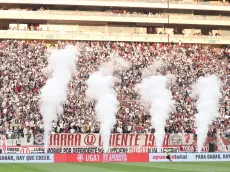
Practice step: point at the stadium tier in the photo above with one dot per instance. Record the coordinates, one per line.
(129, 20)
(22, 79)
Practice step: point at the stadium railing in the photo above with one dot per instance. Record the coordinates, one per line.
(216, 3)
(74, 1)
(51, 13)
(162, 4)
(109, 36)
(80, 13)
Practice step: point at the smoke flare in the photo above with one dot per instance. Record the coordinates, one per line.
(207, 89)
(154, 93)
(61, 66)
(100, 88)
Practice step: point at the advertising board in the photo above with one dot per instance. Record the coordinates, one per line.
(190, 157)
(26, 158)
(110, 157)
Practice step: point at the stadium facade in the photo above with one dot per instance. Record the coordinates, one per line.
(165, 21)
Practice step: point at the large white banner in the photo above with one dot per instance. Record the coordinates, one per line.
(116, 140)
(94, 140)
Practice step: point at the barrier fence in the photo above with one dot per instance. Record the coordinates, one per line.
(100, 36)
(113, 157)
(58, 13)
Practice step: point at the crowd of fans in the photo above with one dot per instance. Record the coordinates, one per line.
(22, 76)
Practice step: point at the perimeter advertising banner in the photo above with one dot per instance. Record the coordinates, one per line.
(190, 157)
(110, 157)
(26, 158)
(142, 157)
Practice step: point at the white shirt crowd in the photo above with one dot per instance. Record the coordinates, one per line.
(21, 79)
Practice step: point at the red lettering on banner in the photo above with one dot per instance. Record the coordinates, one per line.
(124, 139)
(187, 136)
(100, 140)
(100, 143)
(149, 140)
(117, 139)
(166, 140)
(63, 139)
(152, 139)
(193, 148)
(113, 140)
(90, 139)
(146, 137)
(136, 140)
(77, 140)
(70, 140)
(54, 140)
(131, 139)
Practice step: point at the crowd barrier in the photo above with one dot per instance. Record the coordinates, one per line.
(113, 157)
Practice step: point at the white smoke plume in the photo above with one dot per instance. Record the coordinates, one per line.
(100, 88)
(119, 63)
(155, 94)
(152, 69)
(207, 89)
(61, 66)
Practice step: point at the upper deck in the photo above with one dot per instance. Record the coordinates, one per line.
(164, 4)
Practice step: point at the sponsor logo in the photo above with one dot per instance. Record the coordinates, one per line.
(90, 139)
(38, 139)
(80, 157)
(175, 139)
(115, 157)
(92, 157)
(25, 150)
(190, 157)
(99, 157)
